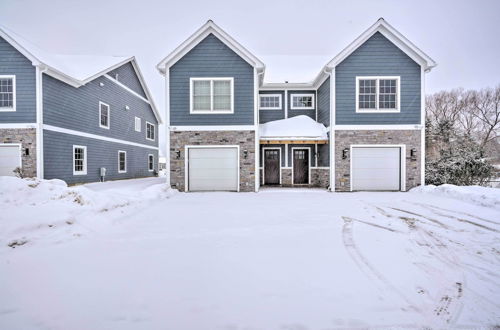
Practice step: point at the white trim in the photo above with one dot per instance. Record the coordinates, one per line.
(264, 162)
(321, 167)
(292, 95)
(94, 136)
(213, 128)
(84, 171)
(14, 92)
(40, 167)
(402, 157)
(377, 127)
(137, 120)
(280, 107)
(167, 128)
(153, 163)
(108, 117)
(208, 28)
(146, 90)
(256, 124)
(286, 103)
(211, 111)
(290, 138)
(126, 88)
(332, 128)
(125, 163)
(377, 94)
(18, 125)
(186, 161)
(309, 166)
(422, 121)
(290, 86)
(154, 131)
(20, 146)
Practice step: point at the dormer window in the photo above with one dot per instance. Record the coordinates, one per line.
(211, 95)
(377, 94)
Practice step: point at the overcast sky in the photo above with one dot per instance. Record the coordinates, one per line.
(463, 37)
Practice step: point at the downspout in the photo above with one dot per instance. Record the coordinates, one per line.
(39, 70)
(330, 71)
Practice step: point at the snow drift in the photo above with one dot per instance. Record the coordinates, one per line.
(295, 127)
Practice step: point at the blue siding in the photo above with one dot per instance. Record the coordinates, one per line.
(128, 77)
(58, 158)
(324, 103)
(78, 109)
(292, 113)
(270, 115)
(212, 58)
(377, 57)
(13, 62)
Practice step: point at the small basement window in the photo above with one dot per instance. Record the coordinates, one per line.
(79, 160)
(103, 115)
(302, 101)
(7, 93)
(122, 161)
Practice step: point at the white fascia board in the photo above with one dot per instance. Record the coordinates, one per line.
(213, 128)
(209, 28)
(34, 60)
(387, 127)
(283, 86)
(394, 36)
(149, 96)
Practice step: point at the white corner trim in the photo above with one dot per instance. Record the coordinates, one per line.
(127, 88)
(94, 136)
(292, 95)
(14, 92)
(40, 167)
(422, 121)
(387, 127)
(18, 125)
(377, 94)
(211, 110)
(213, 128)
(119, 153)
(279, 107)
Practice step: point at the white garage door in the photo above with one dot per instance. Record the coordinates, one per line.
(376, 168)
(10, 158)
(212, 169)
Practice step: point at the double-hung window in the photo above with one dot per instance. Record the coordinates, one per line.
(377, 94)
(302, 101)
(150, 131)
(270, 101)
(211, 95)
(103, 115)
(151, 163)
(7, 93)
(79, 160)
(122, 161)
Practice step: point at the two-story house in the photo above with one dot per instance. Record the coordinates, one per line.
(359, 124)
(71, 116)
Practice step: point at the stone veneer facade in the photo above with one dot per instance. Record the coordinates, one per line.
(27, 138)
(346, 138)
(245, 139)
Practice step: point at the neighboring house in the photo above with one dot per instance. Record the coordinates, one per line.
(69, 116)
(358, 124)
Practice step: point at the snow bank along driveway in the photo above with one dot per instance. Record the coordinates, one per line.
(133, 255)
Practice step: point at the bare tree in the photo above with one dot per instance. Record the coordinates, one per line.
(486, 104)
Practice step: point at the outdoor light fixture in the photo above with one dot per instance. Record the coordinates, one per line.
(413, 154)
(245, 153)
(344, 153)
(177, 154)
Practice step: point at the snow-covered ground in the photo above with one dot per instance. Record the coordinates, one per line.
(133, 255)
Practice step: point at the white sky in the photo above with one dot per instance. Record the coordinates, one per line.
(293, 36)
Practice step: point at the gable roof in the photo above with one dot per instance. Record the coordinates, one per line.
(209, 28)
(75, 70)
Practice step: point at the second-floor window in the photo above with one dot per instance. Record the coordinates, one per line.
(270, 101)
(211, 95)
(150, 131)
(377, 94)
(302, 101)
(103, 115)
(7, 93)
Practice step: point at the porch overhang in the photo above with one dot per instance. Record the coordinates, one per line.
(293, 140)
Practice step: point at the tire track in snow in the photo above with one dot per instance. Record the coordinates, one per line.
(363, 264)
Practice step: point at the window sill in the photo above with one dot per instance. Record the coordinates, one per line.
(293, 108)
(79, 173)
(270, 109)
(106, 127)
(379, 111)
(208, 112)
(7, 109)
(121, 172)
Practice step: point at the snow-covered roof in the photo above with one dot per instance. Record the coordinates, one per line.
(75, 70)
(298, 127)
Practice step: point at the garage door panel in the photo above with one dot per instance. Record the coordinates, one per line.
(376, 168)
(213, 169)
(10, 158)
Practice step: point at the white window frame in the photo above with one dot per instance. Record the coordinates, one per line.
(109, 115)
(153, 163)
(279, 107)
(377, 79)
(13, 108)
(292, 95)
(84, 171)
(154, 127)
(120, 152)
(137, 120)
(211, 111)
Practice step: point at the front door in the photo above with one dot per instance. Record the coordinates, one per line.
(272, 166)
(300, 166)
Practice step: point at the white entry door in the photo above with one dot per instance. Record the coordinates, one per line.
(10, 158)
(213, 169)
(376, 168)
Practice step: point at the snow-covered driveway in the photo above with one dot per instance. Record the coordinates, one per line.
(112, 257)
